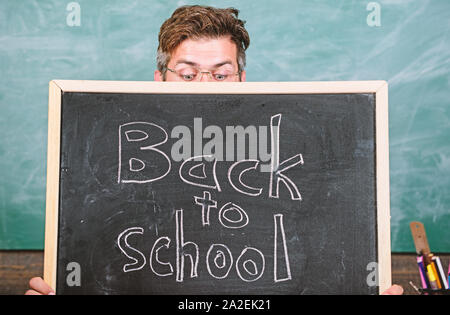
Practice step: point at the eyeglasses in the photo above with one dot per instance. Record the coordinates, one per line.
(195, 74)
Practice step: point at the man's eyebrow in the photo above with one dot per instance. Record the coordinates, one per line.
(186, 62)
(190, 63)
(223, 63)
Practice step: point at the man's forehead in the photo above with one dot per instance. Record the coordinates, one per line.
(205, 52)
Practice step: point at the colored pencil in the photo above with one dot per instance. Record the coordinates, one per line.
(435, 274)
(423, 274)
(440, 272)
(431, 278)
(449, 274)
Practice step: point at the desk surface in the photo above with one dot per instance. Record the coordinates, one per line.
(18, 267)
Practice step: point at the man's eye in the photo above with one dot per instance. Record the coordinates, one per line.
(188, 77)
(220, 77)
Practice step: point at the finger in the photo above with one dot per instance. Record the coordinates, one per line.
(40, 286)
(32, 292)
(394, 290)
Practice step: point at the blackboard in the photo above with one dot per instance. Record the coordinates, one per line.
(131, 211)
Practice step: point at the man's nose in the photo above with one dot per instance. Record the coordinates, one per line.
(206, 77)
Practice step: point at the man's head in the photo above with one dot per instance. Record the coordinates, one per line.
(199, 39)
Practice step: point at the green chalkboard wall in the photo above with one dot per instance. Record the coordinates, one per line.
(406, 44)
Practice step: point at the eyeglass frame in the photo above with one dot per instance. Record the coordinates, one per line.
(203, 72)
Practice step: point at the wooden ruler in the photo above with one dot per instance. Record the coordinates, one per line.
(420, 238)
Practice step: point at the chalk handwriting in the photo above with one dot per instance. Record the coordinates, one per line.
(230, 223)
(239, 185)
(186, 176)
(122, 241)
(249, 266)
(146, 150)
(206, 203)
(145, 162)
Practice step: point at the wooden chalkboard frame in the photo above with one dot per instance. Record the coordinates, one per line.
(378, 88)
